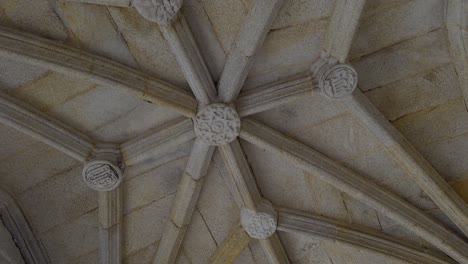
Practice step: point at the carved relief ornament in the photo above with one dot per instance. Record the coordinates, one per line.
(102, 175)
(159, 11)
(335, 80)
(217, 124)
(260, 223)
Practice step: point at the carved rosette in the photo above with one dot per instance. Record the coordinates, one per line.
(159, 11)
(260, 224)
(338, 81)
(102, 175)
(217, 124)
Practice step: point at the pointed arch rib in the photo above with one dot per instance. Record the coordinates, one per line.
(184, 202)
(457, 29)
(233, 245)
(185, 49)
(248, 41)
(70, 61)
(241, 174)
(296, 222)
(418, 168)
(274, 94)
(356, 186)
(52, 132)
(158, 141)
(343, 26)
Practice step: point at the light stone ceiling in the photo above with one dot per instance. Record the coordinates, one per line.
(410, 56)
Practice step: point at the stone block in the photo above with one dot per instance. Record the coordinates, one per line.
(145, 226)
(69, 241)
(418, 93)
(216, 204)
(198, 231)
(96, 108)
(37, 17)
(26, 169)
(291, 46)
(226, 18)
(296, 12)
(14, 74)
(448, 158)
(147, 45)
(47, 92)
(94, 30)
(396, 24)
(436, 124)
(45, 210)
(13, 142)
(143, 256)
(152, 185)
(144, 117)
(403, 60)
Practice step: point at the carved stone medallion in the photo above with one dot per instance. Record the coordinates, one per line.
(338, 81)
(217, 124)
(102, 175)
(259, 224)
(159, 11)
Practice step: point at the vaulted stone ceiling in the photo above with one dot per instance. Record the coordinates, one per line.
(378, 176)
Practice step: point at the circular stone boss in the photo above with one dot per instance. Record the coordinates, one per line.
(159, 11)
(217, 124)
(102, 175)
(258, 224)
(338, 81)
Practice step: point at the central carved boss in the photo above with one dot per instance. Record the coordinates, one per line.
(217, 124)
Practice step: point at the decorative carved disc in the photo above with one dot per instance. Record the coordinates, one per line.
(338, 81)
(217, 124)
(159, 11)
(102, 175)
(258, 224)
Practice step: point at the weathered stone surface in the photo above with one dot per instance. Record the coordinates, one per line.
(304, 249)
(447, 157)
(82, 111)
(147, 45)
(395, 24)
(198, 231)
(36, 17)
(47, 92)
(436, 124)
(153, 185)
(135, 122)
(380, 167)
(426, 90)
(291, 46)
(91, 258)
(14, 74)
(403, 60)
(226, 18)
(143, 256)
(71, 240)
(94, 29)
(144, 226)
(297, 12)
(13, 142)
(24, 170)
(75, 199)
(300, 114)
